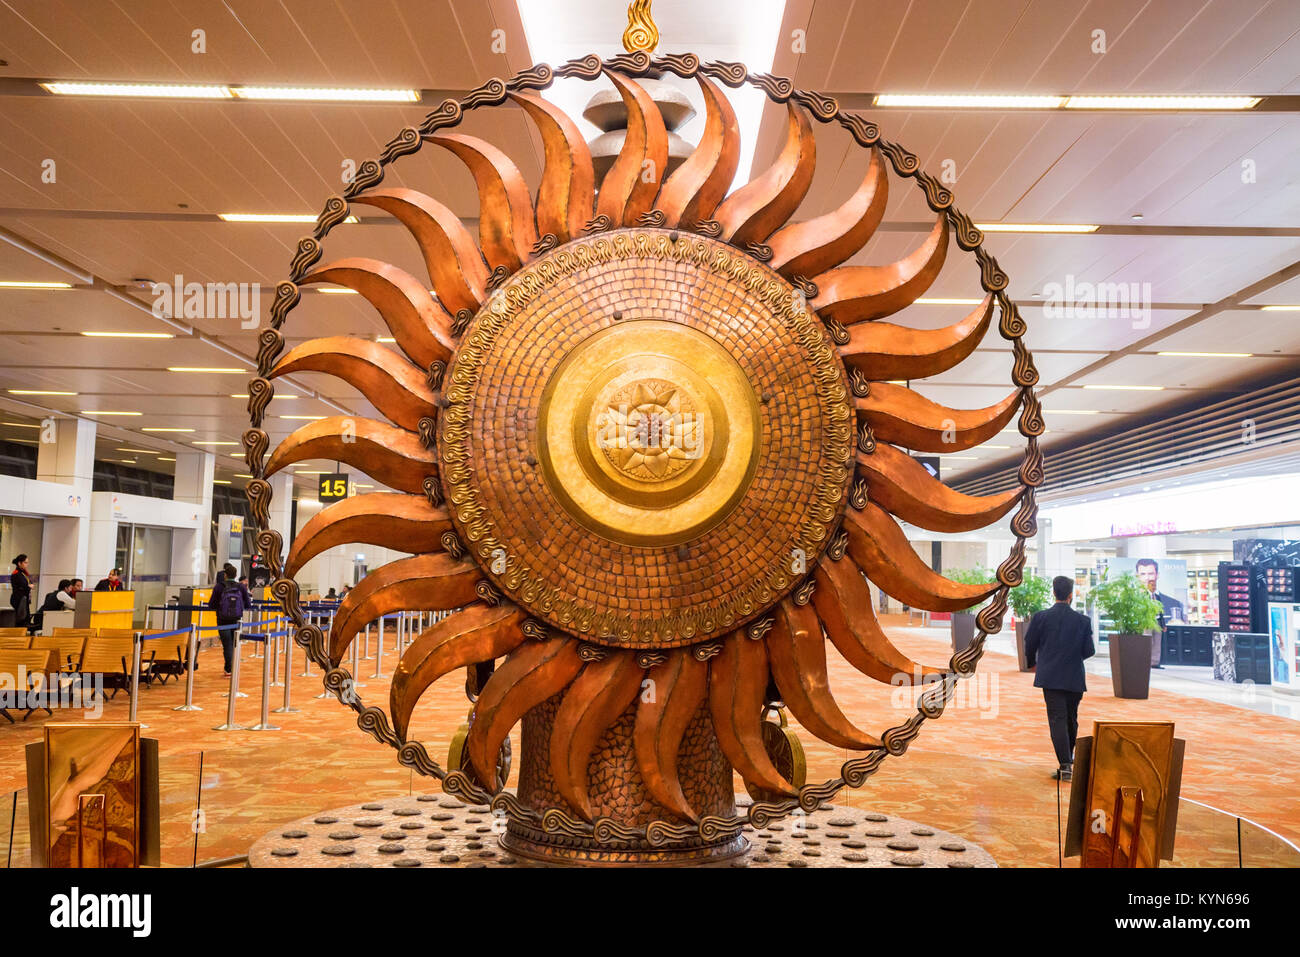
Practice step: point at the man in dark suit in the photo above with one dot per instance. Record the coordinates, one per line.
(1056, 643)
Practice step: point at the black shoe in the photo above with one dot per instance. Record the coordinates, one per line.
(1064, 773)
(1161, 667)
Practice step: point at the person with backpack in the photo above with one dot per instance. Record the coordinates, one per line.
(230, 599)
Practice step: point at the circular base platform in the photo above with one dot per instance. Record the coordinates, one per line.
(436, 830)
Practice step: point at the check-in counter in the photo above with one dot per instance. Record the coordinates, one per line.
(104, 609)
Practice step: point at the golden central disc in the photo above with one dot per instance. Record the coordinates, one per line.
(649, 433)
(647, 438)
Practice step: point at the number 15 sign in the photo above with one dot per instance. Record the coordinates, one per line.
(334, 488)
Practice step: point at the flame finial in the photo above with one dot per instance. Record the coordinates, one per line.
(641, 32)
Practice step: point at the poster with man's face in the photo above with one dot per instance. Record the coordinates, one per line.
(1165, 578)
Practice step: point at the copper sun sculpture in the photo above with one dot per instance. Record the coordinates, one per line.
(646, 443)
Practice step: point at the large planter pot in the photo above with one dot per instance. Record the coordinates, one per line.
(1130, 665)
(963, 630)
(1022, 625)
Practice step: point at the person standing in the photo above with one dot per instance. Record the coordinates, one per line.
(230, 599)
(1057, 642)
(20, 594)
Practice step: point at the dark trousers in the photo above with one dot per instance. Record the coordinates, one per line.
(1063, 722)
(228, 638)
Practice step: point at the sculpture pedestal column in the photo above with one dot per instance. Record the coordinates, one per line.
(618, 793)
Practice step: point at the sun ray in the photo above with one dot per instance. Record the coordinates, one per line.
(881, 549)
(390, 455)
(738, 679)
(899, 483)
(420, 326)
(842, 601)
(506, 228)
(812, 247)
(759, 208)
(629, 188)
(853, 294)
(392, 385)
(693, 192)
(898, 414)
(479, 633)
(797, 653)
(531, 673)
(451, 256)
(567, 194)
(434, 582)
(882, 350)
(602, 692)
(679, 685)
(406, 523)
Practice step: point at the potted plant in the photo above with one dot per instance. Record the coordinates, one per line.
(963, 622)
(1129, 605)
(1031, 595)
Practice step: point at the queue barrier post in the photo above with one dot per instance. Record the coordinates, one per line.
(379, 652)
(265, 724)
(366, 656)
(286, 708)
(356, 664)
(233, 693)
(135, 676)
(191, 661)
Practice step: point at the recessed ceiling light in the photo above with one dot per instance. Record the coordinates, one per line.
(1161, 102)
(970, 101)
(150, 429)
(948, 302)
(22, 425)
(242, 475)
(24, 284)
(221, 481)
(171, 90)
(1136, 216)
(142, 451)
(1281, 308)
(274, 218)
(205, 369)
(127, 461)
(1037, 227)
(1127, 388)
(36, 392)
(166, 460)
(333, 94)
(385, 339)
(1209, 355)
(111, 413)
(129, 335)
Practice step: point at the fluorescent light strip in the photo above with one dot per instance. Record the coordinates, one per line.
(1280, 308)
(1127, 388)
(25, 284)
(1161, 102)
(166, 460)
(1037, 227)
(969, 101)
(36, 392)
(139, 451)
(129, 335)
(1209, 355)
(221, 481)
(22, 425)
(326, 94)
(205, 369)
(169, 90)
(273, 218)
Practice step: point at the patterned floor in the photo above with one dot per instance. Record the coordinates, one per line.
(982, 771)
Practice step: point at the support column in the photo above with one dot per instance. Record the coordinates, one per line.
(194, 473)
(281, 512)
(66, 455)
